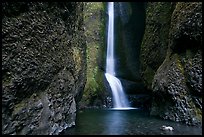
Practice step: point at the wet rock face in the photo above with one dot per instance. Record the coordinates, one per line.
(155, 41)
(129, 25)
(177, 84)
(172, 97)
(43, 66)
(186, 28)
(94, 94)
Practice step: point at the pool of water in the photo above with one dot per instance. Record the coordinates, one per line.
(125, 122)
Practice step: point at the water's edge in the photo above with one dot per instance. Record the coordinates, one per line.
(126, 122)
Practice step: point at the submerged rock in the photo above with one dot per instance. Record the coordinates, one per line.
(167, 128)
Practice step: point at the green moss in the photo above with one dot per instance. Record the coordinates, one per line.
(24, 104)
(197, 112)
(7, 79)
(180, 66)
(94, 32)
(186, 31)
(178, 60)
(188, 7)
(178, 63)
(77, 58)
(18, 107)
(160, 9)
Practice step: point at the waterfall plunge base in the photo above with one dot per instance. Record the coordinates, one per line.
(119, 98)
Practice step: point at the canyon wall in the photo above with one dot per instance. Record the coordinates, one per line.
(43, 66)
(171, 57)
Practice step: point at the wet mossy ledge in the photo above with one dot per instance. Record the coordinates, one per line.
(171, 59)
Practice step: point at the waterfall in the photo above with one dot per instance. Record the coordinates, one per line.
(119, 99)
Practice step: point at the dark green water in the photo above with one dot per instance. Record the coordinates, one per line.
(125, 122)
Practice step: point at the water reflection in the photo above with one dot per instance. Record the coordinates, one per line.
(114, 122)
(126, 122)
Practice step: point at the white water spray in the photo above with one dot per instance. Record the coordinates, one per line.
(119, 99)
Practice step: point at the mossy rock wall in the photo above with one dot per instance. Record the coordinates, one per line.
(155, 40)
(94, 22)
(177, 83)
(43, 66)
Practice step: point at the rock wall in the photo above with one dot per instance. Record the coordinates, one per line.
(129, 24)
(43, 66)
(94, 22)
(155, 39)
(177, 81)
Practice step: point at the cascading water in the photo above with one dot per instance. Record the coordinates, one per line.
(119, 99)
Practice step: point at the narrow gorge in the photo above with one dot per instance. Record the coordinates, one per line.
(62, 63)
